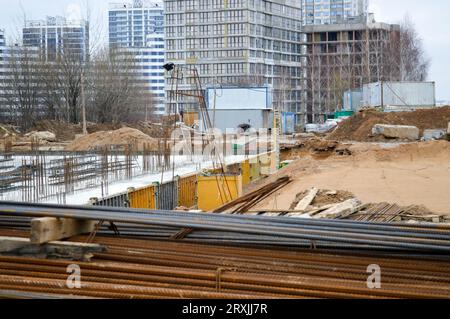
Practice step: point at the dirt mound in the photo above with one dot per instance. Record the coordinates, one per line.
(123, 136)
(8, 131)
(438, 151)
(156, 130)
(359, 127)
(317, 147)
(67, 131)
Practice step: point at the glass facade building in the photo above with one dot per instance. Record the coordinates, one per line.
(2, 37)
(138, 28)
(57, 34)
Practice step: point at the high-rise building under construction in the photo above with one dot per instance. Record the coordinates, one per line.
(332, 11)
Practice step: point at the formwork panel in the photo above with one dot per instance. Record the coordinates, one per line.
(120, 200)
(216, 190)
(143, 198)
(245, 169)
(168, 196)
(187, 191)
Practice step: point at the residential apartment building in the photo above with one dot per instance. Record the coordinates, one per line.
(342, 57)
(55, 35)
(236, 43)
(18, 82)
(138, 28)
(2, 37)
(332, 11)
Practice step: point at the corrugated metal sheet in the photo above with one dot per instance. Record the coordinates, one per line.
(288, 123)
(120, 200)
(407, 95)
(187, 191)
(352, 100)
(167, 195)
(143, 198)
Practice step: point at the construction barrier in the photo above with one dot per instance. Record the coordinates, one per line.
(187, 191)
(207, 192)
(119, 200)
(143, 197)
(245, 171)
(216, 190)
(167, 196)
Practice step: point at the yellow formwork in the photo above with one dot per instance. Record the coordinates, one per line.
(216, 190)
(187, 191)
(143, 197)
(245, 169)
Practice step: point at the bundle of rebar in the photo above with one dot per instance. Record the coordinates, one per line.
(239, 229)
(160, 269)
(246, 202)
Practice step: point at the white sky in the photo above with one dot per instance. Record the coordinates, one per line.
(430, 17)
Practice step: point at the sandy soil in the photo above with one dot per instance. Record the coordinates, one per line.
(359, 127)
(123, 136)
(409, 174)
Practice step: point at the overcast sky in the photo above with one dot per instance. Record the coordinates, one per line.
(430, 17)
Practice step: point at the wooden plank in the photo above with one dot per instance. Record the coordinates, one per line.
(17, 246)
(307, 200)
(340, 210)
(44, 230)
(8, 244)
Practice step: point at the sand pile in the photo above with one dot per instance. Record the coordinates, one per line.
(156, 130)
(123, 136)
(406, 174)
(435, 151)
(359, 127)
(67, 131)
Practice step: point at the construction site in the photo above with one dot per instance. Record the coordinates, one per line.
(301, 215)
(241, 153)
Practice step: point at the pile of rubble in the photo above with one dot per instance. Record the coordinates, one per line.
(374, 126)
(330, 204)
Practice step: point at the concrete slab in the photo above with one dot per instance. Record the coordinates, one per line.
(397, 131)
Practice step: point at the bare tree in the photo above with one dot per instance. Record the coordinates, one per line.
(115, 92)
(414, 64)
